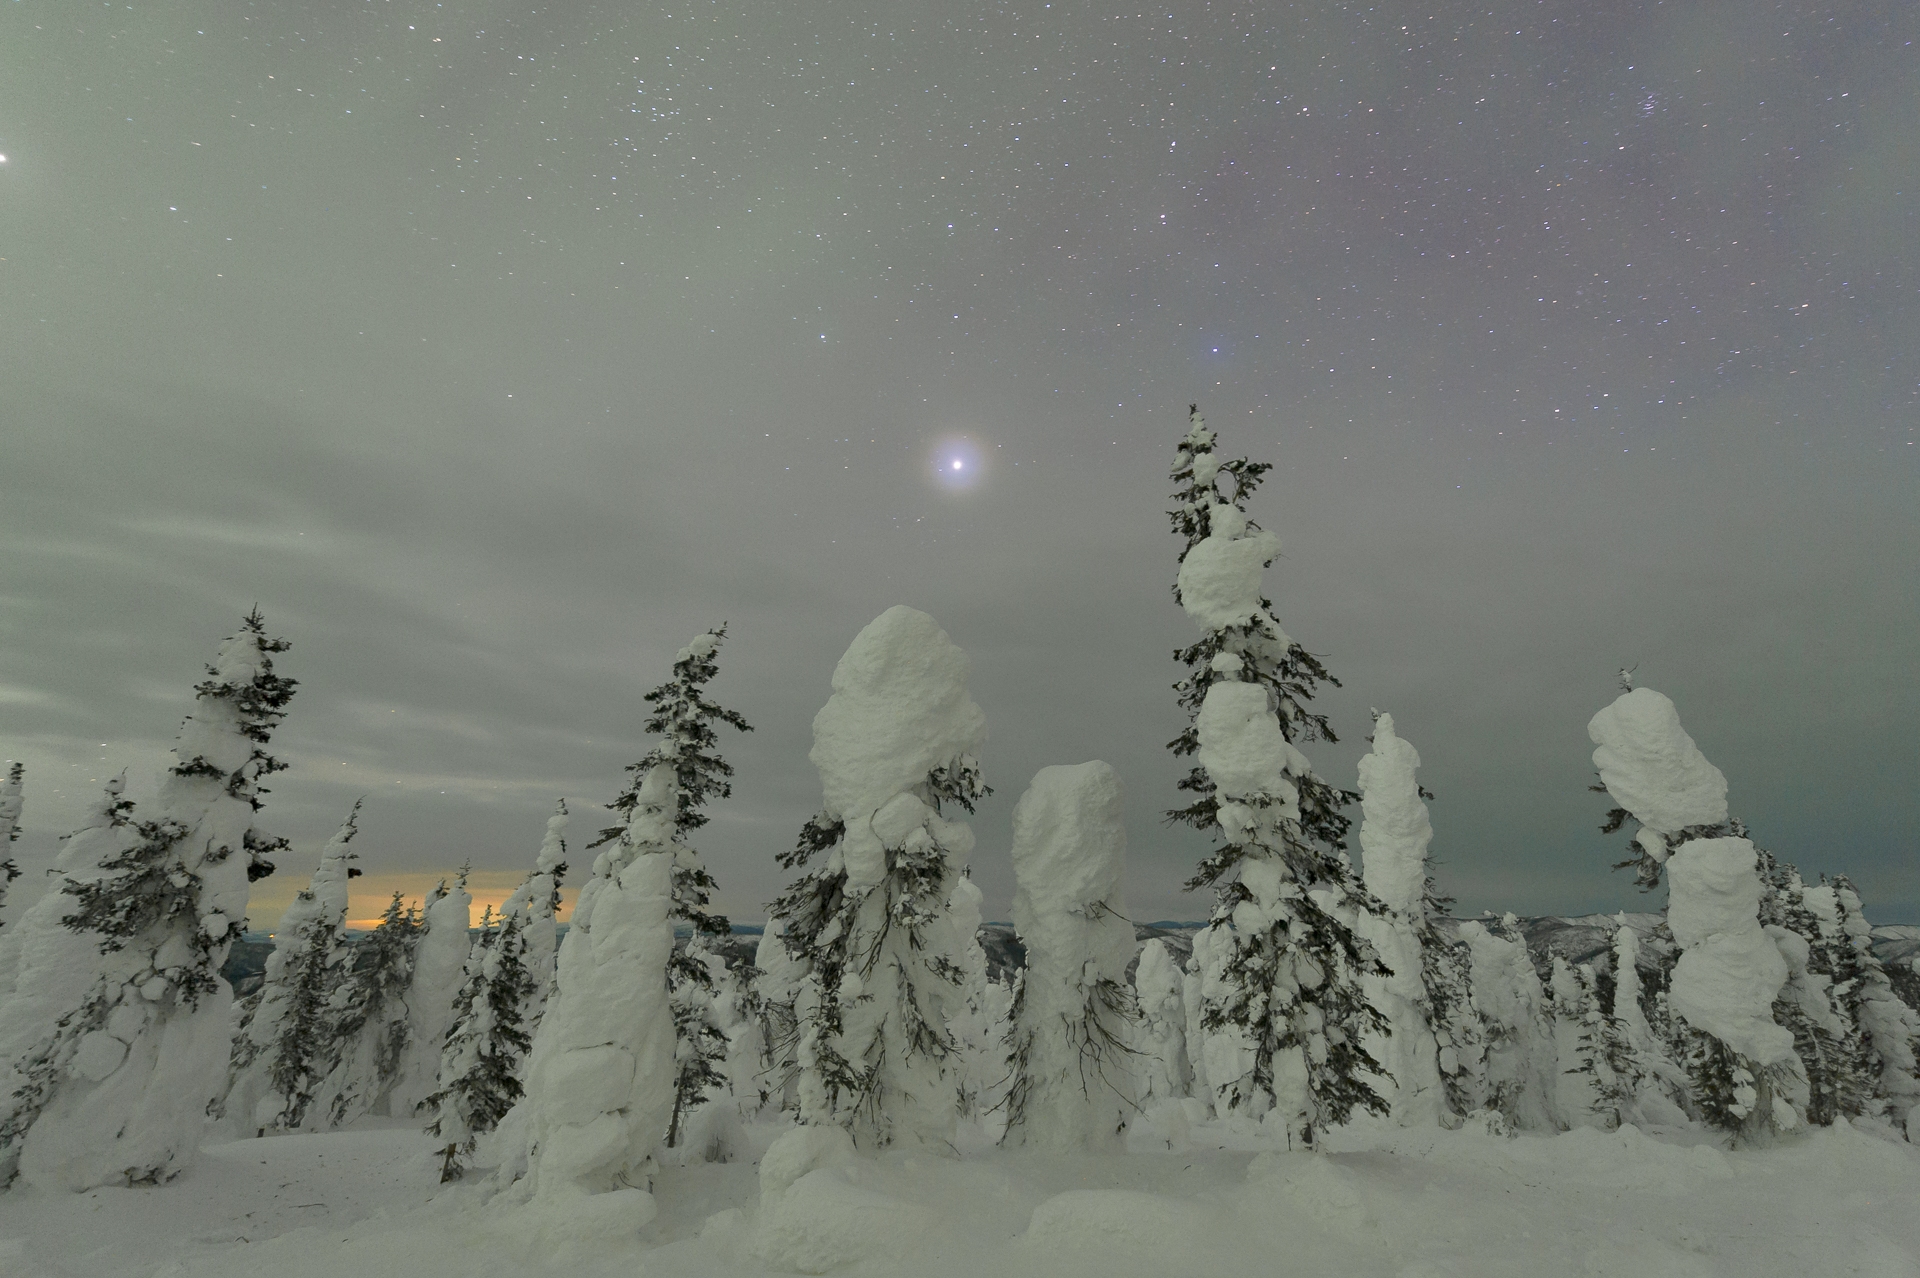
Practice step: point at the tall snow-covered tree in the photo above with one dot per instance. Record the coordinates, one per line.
(1888, 1030)
(536, 901)
(1659, 1085)
(1285, 1010)
(439, 971)
(371, 1021)
(868, 921)
(1730, 972)
(287, 1045)
(1161, 1072)
(1072, 1085)
(117, 1087)
(684, 719)
(1521, 1065)
(11, 801)
(981, 1018)
(1826, 1037)
(481, 1065)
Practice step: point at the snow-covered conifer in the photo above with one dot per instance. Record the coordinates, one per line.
(1285, 1010)
(1888, 1030)
(287, 1046)
(1831, 1048)
(371, 1019)
(1436, 1044)
(1521, 1065)
(1603, 1053)
(480, 1066)
(978, 1022)
(1586, 1082)
(868, 919)
(440, 956)
(1649, 1067)
(536, 901)
(11, 801)
(1160, 1035)
(117, 1087)
(1730, 970)
(601, 1075)
(1072, 1085)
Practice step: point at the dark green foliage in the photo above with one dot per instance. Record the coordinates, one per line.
(373, 992)
(480, 1068)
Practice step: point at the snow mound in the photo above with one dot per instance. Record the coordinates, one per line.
(1652, 768)
(899, 709)
(1081, 1219)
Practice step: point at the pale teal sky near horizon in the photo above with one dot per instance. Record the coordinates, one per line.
(496, 349)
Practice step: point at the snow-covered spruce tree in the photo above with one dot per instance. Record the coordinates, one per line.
(1161, 1071)
(117, 1088)
(1072, 1082)
(1888, 1030)
(1521, 1065)
(600, 1078)
(1285, 1010)
(287, 1045)
(867, 921)
(371, 1020)
(536, 901)
(1436, 1047)
(480, 1067)
(432, 997)
(980, 1019)
(1660, 1086)
(1584, 1079)
(11, 805)
(1604, 1053)
(684, 719)
(1832, 1050)
(1741, 1062)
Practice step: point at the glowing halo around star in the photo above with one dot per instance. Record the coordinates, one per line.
(958, 462)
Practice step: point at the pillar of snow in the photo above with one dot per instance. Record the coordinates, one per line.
(600, 1081)
(1653, 769)
(1073, 1083)
(150, 1058)
(1394, 834)
(980, 1066)
(900, 711)
(1521, 1062)
(1161, 1072)
(1665, 1077)
(439, 969)
(1576, 1094)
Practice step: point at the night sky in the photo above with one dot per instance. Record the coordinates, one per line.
(496, 350)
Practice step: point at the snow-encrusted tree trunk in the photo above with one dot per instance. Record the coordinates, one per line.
(481, 1065)
(868, 920)
(371, 1021)
(1072, 1082)
(1730, 971)
(439, 970)
(1161, 1072)
(536, 901)
(288, 1046)
(1285, 1011)
(116, 1088)
(600, 1081)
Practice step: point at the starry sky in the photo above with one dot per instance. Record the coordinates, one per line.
(495, 350)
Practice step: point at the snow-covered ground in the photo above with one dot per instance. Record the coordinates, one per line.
(1387, 1202)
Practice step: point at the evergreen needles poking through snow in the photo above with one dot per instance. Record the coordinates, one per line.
(684, 719)
(480, 1069)
(536, 901)
(10, 809)
(867, 925)
(114, 1088)
(1284, 1008)
(371, 1020)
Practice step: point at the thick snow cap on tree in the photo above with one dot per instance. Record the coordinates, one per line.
(899, 710)
(1069, 854)
(1730, 970)
(1220, 579)
(1395, 829)
(600, 1084)
(1242, 749)
(1652, 768)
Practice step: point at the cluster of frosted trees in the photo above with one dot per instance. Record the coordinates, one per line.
(1755, 1005)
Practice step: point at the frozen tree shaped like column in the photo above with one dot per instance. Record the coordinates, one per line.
(439, 970)
(1072, 1078)
(868, 922)
(287, 1046)
(117, 1087)
(1730, 971)
(1284, 1010)
(480, 1068)
(1161, 1071)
